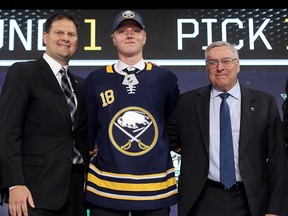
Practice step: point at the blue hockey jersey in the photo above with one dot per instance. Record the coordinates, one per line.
(133, 169)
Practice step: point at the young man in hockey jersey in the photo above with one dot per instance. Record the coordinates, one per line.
(127, 105)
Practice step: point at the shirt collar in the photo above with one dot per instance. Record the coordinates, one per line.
(234, 92)
(120, 65)
(54, 65)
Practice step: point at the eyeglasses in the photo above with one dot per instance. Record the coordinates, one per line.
(226, 62)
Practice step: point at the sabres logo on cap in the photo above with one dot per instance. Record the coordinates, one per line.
(128, 14)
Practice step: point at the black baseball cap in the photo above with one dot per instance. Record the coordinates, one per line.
(127, 15)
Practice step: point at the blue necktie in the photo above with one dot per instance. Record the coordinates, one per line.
(227, 167)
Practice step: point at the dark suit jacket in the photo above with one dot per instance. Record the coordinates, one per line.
(36, 137)
(261, 138)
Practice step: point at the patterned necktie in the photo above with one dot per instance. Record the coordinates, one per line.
(77, 158)
(227, 167)
(68, 93)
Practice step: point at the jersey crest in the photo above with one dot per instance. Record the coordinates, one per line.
(137, 127)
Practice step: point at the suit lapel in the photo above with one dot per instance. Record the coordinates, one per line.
(54, 86)
(201, 102)
(247, 112)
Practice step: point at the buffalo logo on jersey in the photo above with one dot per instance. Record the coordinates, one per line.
(133, 131)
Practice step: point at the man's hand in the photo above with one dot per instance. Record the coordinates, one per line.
(18, 198)
(94, 152)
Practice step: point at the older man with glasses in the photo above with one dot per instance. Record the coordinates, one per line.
(250, 178)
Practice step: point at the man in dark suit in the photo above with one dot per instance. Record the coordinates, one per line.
(39, 135)
(259, 149)
(285, 126)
